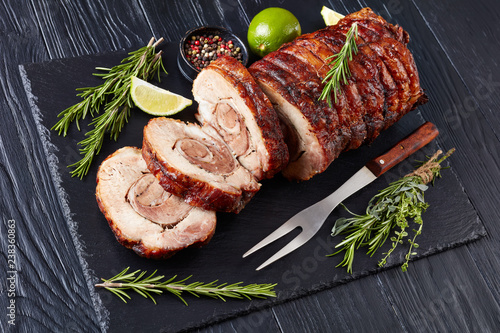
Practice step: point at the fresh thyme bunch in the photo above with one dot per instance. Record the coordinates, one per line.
(389, 209)
(113, 95)
(340, 69)
(147, 286)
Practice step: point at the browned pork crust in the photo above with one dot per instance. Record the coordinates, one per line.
(383, 86)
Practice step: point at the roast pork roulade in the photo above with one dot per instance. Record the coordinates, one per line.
(383, 86)
(234, 105)
(197, 165)
(144, 217)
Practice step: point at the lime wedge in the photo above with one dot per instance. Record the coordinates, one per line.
(330, 16)
(156, 101)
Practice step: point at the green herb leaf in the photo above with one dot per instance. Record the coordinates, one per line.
(113, 96)
(339, 73)
(152, 285)
(389, 209)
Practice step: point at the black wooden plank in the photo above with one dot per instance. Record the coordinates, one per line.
(465, 127)
(51, 293)
(20, 21)
(50, 77)
(360, 306)
(443, 294)
(470, 40)
(71, 28)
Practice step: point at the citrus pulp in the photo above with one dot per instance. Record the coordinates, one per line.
(154, 100)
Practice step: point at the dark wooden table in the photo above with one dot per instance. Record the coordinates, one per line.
(455, 291)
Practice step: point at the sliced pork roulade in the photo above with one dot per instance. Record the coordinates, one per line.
(233, 104)
(143, 216)
(383, 86)
(196, 164)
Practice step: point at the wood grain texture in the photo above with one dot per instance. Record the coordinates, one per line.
(454, 291)
(342, 310)
(423, 135)
(463, 127)
(472, 118)
(437, 296)
(50, 285)
(471, 45)
(54, 90)
(71, 28)
(53, 293)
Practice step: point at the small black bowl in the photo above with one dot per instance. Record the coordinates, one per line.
(187, 69)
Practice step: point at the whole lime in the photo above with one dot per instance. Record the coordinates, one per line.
(271, 28)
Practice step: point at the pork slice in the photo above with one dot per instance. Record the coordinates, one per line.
(233, 104)
(309, 51)
(382, 87)
(304, 127)
(354, 115)
(302, 78)
(349, 104)
(371, 24)
(144, 217)
(398, 73)
(197, 165)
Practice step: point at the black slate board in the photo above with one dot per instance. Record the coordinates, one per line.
(450, 221)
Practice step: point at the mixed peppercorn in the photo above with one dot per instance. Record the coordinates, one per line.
(200, 50)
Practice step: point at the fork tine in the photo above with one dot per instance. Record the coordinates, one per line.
(284, 229)
(302, 238)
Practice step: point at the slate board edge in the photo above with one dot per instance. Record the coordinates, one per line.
(101, 311)
(303, 292)
(296, 294)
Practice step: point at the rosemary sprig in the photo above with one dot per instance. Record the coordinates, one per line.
(113, 96)
(152, 285)
(389, 209)
(339, 73)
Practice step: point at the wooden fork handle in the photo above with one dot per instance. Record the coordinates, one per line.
(404, 148)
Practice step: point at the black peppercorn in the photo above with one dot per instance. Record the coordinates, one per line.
(202, 50)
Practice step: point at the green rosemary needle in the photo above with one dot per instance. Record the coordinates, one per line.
(113, 96)
(389, 209)
(152, 285)
(339, 73)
